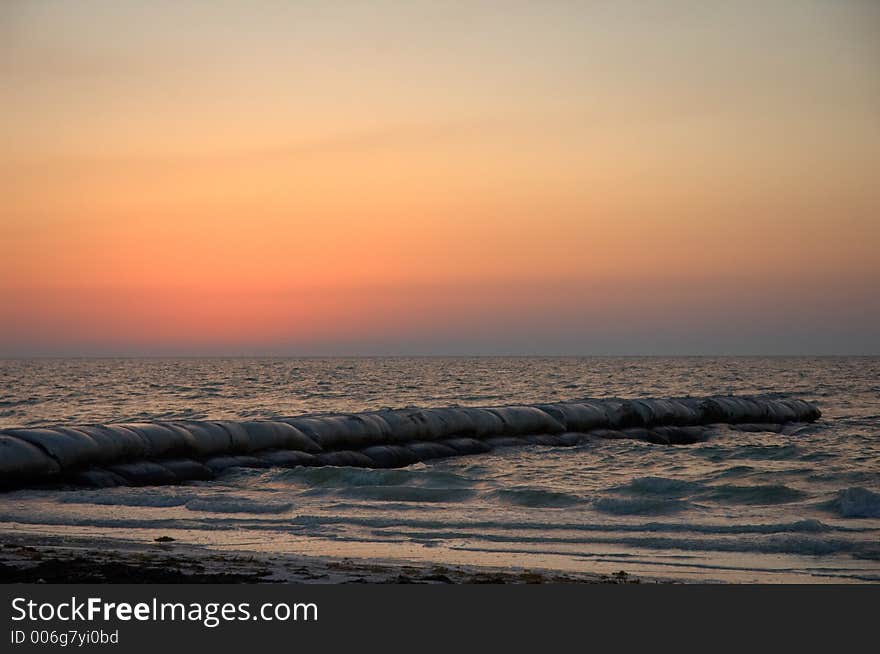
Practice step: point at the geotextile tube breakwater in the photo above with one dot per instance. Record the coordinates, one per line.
(152, 453)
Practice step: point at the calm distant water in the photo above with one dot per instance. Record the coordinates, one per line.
(798, 506)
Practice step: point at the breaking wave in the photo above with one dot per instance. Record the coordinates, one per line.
(640, 506)
(857, 502)
(536, 498)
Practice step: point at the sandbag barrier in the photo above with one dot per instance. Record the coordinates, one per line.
(172, 452)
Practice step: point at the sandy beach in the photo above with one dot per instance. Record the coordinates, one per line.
(32, 559)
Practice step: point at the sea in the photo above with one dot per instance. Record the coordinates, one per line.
(798, 506)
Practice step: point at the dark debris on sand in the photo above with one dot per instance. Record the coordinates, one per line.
(165, 563)
(444, 575)
(25, 564)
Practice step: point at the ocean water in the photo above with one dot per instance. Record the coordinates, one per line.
(798, 506)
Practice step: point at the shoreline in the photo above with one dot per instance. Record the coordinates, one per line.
(63, 560)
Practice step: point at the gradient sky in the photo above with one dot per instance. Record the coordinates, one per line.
(268, 177)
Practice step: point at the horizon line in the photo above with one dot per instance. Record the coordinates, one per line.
(24, 357)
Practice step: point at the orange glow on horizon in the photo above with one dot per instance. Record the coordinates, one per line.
(409, 174)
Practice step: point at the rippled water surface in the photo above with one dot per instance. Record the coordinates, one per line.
(803, 505)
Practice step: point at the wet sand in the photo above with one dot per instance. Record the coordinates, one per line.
(28, 559)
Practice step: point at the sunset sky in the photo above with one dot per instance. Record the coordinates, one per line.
(268, 177)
